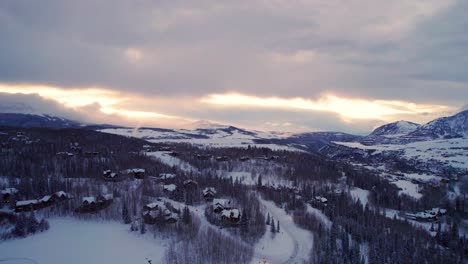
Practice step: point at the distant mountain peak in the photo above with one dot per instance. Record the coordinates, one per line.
(401, 127)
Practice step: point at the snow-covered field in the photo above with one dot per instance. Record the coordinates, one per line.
(198, 137)
(362, 195)
(453, 152)
(171, 161)
(74, 241)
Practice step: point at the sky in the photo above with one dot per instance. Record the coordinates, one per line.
(268, 65)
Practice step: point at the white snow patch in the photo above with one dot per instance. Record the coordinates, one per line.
(74, 241)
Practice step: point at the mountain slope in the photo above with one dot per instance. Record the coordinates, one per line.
(395, 129)
(445, 127)
(31, 120)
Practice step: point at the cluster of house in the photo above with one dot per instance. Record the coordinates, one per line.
(137, 173)
(157, 212)
(93, 204)
(427, 215)
(225, 210)
(75, 148)
(46, 201)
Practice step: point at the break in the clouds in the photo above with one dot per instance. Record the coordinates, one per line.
(290, 65)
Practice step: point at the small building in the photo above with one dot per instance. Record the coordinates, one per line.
(230, 215)
(46, 201)
(222, 158)
(221, 204)
(108, 175)
(8, 194)
(61, 196)
(244, 158)
(203, 156)
(190, 184)
(137, 173)
(159, 204)
(321, 199)
(209, 193)
(26, 205)
(169, 188)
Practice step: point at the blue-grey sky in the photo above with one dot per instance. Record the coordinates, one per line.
(270, 65)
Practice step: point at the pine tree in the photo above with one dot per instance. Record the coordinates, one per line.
(268, 219)
(125, 215)
(142, 228)
(278, 227)
(273, 229)
(32, 223)
(259, 183)
(186, 216)
(20, 226)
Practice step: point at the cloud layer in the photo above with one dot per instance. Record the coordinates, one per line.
(165, 56)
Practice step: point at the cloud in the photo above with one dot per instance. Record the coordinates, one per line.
(175, 52)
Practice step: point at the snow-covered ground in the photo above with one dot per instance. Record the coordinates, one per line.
(220, 138)
(293, 244)
(74, 241)
(453, 152)
(171, 161)
(361, 194)
(320, 215)
(408, 188)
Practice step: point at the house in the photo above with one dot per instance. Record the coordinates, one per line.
(108, 175)
(230, 215)
(166, 176)
(437, 211)
(46, 201)
(190, 184)
(137, 173)
(27, 205)
(203, 156)
(61, 196)
(169, 188)
(159, 204)
(173, 154)
(422, 216)
(92, 204)
(222, 158)
(221, 204)
(209, 193)
(8, 194)
(321, 199)
(244, 158)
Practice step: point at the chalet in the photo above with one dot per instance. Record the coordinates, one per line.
(209, 193)
(105, 200)
(169, 188)
(136, 173)
(221, 204)
(61, 196)
(27, 205)
(437, 211)
(92, 204)
(203, 156)
(89, 201)
(230, 215)
(190, 184)
(46, 201)
(222, 158)
(8, 194)
(75, 147)
(108, 175)
(244, 158)
(422, 216)
(159, 204)
(321, 199)
(173, 154)
(166, 176)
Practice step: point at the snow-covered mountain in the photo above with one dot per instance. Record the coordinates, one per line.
(455, 126)
(395, 129)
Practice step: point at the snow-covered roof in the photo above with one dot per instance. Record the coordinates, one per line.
(89, 199)
(61, 194)
(155, 205)
(190, 182)
(221, 202)
(9, 191)
(234, 213)
(46, 198)
(167, 175)
(321, 199)
(108, 196)
(208, 190)
(26, 202)
(170, 187)
(136, 170)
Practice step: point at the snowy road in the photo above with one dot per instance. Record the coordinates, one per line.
(291, 246)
